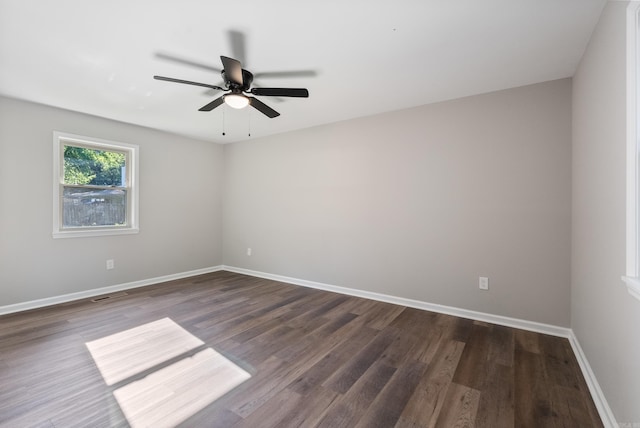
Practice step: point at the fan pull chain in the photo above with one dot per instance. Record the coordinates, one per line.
(223, 122)
(249, 111)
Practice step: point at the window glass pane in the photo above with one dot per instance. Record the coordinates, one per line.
(84, 165)
(90, 207)
(95, 187)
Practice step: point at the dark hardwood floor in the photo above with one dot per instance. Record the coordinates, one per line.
(227, 350)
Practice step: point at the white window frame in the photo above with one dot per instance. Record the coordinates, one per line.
(632, 276)
(60, 139)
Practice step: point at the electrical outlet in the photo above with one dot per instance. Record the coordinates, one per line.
(248, 251)
(483, 283)
(110, 264)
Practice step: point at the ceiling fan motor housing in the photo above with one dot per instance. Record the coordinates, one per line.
(247, 79)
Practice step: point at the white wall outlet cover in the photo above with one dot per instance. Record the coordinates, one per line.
(483, 283)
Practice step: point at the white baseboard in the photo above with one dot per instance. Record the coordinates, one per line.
(34, 304)
(608, 419)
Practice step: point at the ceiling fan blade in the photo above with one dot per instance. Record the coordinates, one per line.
(285, 74)
(213, 104)
(263, 108)
(232, 69)
(184, 61)
(237, 40)
(281, 92)
(188, 82)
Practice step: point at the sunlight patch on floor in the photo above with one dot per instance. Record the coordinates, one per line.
(127, 353)
(170, 392)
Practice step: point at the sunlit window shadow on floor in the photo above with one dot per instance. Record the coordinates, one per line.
(160, 374)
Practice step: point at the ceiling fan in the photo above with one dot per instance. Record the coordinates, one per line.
(237, 83)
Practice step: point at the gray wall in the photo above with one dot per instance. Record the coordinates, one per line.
(605, 318)
(180, 214)
(417, 203)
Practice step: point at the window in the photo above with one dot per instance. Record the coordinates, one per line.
(95, 187)
(632, 277)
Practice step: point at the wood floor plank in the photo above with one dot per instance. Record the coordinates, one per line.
(390, 403)
(475, 355)
(350, 408)
(287, 401)
(212, 416)
(311, 409)
(461, 405)
(381, 315)
(569, 393)
(322, 371)
(414, 321)
(570, 407)
(501, 345)
(425, 405)
(531, 392)
(404, 347)
(311, 358)
(439, 333)
(496, 407)
(527, 341)
(324, 339)
(462, 329)
(355, 367)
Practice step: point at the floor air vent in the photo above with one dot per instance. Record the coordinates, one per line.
(109, 297)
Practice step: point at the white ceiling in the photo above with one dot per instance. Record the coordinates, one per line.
(359, 57)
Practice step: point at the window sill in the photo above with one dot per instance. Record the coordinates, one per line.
(633, 285)
(93, 232)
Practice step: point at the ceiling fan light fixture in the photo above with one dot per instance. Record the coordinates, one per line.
(236, 100)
